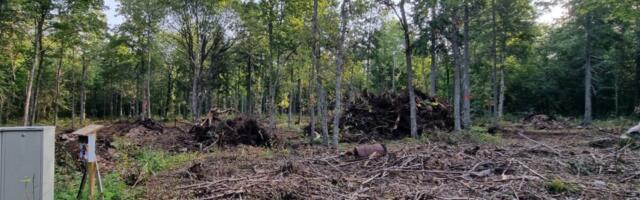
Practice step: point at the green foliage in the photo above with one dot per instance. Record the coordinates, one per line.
(67, 186)
(557, 185)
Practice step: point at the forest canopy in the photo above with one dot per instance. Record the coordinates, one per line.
(177, 59)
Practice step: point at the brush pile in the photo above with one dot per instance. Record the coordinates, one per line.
(236, 131)
(543, 121)
(386, 116)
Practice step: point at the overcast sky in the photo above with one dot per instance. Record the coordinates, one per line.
(113, 19)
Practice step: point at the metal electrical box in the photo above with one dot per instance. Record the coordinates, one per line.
(27, 163)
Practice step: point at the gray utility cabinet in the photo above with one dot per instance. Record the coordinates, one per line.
(27, 163)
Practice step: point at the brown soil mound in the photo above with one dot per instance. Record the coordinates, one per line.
(145, 133)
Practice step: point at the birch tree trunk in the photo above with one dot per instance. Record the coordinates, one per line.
(339, 67)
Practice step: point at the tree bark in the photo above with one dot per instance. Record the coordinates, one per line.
(637, 62)
(73, 94)
(434, 56)
(272, 77)
(249, 90)
(494, 70)
(455, 45)
(339, 67)
(147, 85)
(291, 97)
(299, 101)
(466, 87)
(36, 62)
(316, 73)
(170, 109)
(408, 54)
(83, 95)
(34, 106)
(587, 73)
(58, 79)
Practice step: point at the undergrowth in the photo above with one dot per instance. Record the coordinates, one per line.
(133, 166)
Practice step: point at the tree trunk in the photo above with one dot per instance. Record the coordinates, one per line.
(299, 101)
(195, 111)
(638, 62)
(170, 109)
(494, 70)
(315, 72)
(466, 87)
(393, 73)
(83, 95)
(58, 77)
(249, 90)
(36, 62)
(339, 67)
(34, 107)
(408, 52)
(73, 94)
(587, 74)
(272, 77)
(147, 85)
(502, 91)
(434, 56)
(455, 45)
(324, 117)
(291, 97)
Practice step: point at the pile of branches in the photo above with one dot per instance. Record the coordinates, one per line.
(386, 116)
(236, 131)
(415, 172)
(543, 121)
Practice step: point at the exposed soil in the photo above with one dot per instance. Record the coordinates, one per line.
(529, 165)
(173, 137)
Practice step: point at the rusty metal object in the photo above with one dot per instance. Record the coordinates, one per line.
(366, 150)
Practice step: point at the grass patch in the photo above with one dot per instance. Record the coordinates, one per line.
(476, 134)
(133, 166)
(557, 186)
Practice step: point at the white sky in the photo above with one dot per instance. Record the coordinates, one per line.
(546, 17)
(113, 19)
(550, 16)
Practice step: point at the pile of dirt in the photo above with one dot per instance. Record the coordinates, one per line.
(562, 168)
(143, 133)
(543, 121)
(236, 131)
(386, 116)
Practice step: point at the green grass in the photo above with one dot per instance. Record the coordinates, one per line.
(557, 186)
(131, 162)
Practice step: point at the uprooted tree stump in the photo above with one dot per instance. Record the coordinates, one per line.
(386, 116)
(236, 131)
